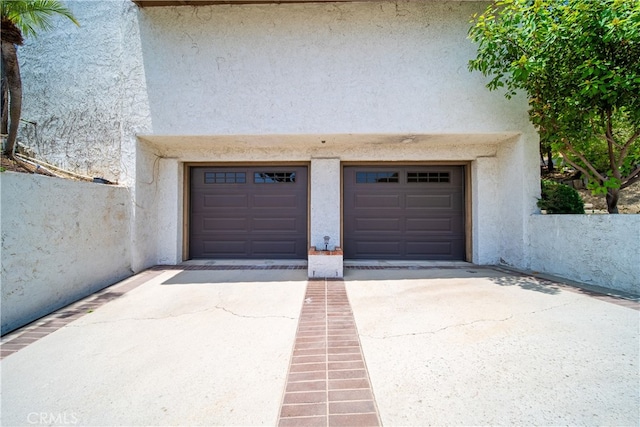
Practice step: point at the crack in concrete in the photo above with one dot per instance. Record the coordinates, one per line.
(437, 330)
(217, 307)
(254, 317)
(460, 325)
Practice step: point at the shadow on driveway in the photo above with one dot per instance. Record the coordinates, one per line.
(213, 277)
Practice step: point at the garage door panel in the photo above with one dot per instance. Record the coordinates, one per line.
(276, 225)
(275, 201)
(376, 224)
(266, 248)
(444, 201)
(404, 212)
(432, 248)
(436, 225)
(223, 247)
(377, 248)
(377, 201)
(226, 201)
(248, 212)
(225, 224)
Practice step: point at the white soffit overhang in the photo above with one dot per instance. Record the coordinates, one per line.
(176, 145)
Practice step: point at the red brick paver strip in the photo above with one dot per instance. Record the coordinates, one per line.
(22, 337)
(328, 383)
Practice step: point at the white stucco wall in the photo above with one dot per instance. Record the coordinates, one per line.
(600, 250)
(74, 85)
(377, 81)
(486, 203)
(147, 196)
(325, 202)
(61, 240)
(379, 67)
(170, 211)
(317, 68)
(518, 191)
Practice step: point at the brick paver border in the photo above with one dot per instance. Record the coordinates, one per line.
(328, 383)
(22, 337)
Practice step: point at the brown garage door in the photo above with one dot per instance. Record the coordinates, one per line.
(404, 213)
(248, 212)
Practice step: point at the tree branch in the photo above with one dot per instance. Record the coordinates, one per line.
(632, 178)
(578, 167)
(594, 171)
(625, 150)
(615, 165)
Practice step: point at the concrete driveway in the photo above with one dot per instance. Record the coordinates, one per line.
(476, 346)
(461, 345)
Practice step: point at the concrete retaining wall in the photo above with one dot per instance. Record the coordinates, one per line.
(600, 250)
(61, 240)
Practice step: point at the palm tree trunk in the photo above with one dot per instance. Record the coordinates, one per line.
(12, 70)
(4, 101)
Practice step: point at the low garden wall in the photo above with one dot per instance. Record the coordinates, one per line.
(61, 241)
(599, 250)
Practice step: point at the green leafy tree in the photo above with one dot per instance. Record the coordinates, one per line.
(20, 18)
(578, 61)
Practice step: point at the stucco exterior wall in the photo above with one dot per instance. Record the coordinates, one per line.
(147, 197)
(486, 209)
(376, 81)
(317, 68)
(325, 202)
(381, 67)
(599, 250)
(74, 86)
(61, 240)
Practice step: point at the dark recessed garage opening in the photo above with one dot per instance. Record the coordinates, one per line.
(248, 212)
(404, 212)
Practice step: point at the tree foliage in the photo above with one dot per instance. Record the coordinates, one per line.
(558, 198)
(31, 16)
(578, 61)
(20, 18)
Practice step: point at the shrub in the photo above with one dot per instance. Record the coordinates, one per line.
(560, 199)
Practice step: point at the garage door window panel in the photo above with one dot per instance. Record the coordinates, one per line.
(274, 177)
(421, 177)
(376, 177)
(225, 178)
